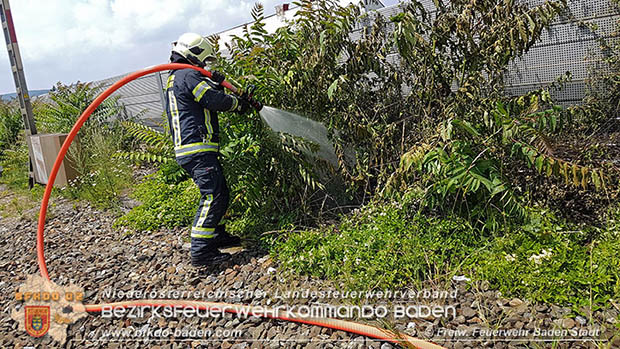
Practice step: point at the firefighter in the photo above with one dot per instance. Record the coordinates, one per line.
(192, 103)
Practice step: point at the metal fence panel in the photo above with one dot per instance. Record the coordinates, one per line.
(567, 46)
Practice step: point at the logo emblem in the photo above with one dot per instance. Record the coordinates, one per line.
(37, 320)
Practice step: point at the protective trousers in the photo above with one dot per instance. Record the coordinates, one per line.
(207, 173)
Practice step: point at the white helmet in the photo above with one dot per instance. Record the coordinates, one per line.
(194, 48)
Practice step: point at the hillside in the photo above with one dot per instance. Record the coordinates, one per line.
(33, 93)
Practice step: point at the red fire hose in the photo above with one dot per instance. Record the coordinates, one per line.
(348, 326)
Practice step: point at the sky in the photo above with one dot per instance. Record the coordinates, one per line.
(88, 40)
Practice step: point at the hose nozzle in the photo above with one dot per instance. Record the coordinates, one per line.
(249, 96)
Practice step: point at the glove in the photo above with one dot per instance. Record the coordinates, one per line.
(243, 106)
(218, 78)
(248, 95)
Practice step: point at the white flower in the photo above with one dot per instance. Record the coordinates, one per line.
(544, 254)
(460, 278)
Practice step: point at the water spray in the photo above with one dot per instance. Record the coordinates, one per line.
(286, 122)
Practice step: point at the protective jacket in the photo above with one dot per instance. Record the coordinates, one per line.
(192, 103)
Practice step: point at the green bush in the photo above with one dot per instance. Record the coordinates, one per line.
(469, 145)
(464, 137)
(69, 101)
(167, 202)
(11, 125)
(15, 163)
(551, 261)
(163, 204)
(382, 246)
(101, 178)
(392, 246)
(481, 158)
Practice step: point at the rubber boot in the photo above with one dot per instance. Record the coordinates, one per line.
(223, 239)
(211, 259)
(204, 252)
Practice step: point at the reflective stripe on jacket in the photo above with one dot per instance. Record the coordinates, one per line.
(192, 103)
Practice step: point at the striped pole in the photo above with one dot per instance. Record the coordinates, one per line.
(17, 68)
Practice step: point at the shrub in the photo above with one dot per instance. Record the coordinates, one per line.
(68, 103)
(352, 86)
(101, 178)
(152, 146)
(163, 204)
(548, 260)
(15, 163)
(382, 246)
(11, 125)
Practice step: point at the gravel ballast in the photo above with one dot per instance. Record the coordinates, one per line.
(111, 264)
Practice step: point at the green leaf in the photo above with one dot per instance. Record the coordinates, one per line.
(595, 179)
(539, 163)
(485, 181)
(498, 189)
(332, 88)
(446, 131)
(500, 107)
(550, 166)
(522, 31)
(584, 178)
(554, 122)
(602, 179)
(466, 126)
(576, 180)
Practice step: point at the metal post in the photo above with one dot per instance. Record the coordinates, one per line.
(19, 78)
(162, 96)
